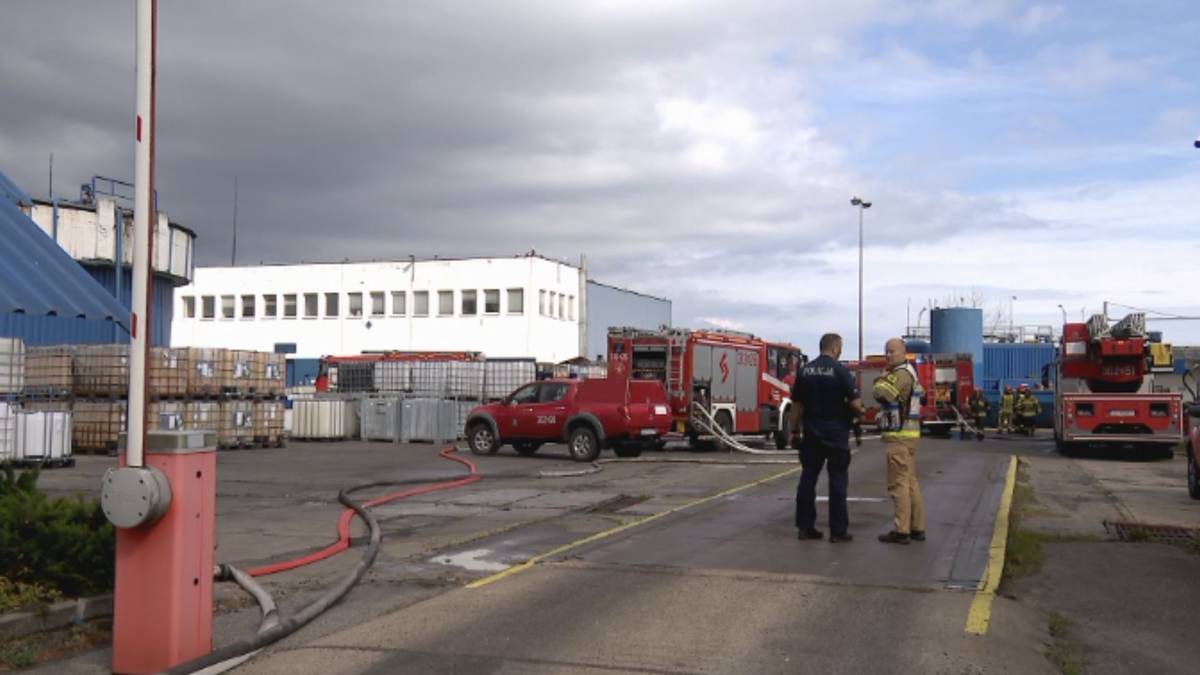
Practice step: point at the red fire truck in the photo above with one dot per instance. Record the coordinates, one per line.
(949, 382)
(1104, 393)
(742, 381)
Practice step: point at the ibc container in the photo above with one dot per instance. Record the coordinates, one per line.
(48, 371)
(393, 376)
(204, 371)
(356, 376)
(43, 436)
(8, 433)
(235, 426)
(430, 379)
(325, 419)
(167, 415)
(268, 422)
(269, 373)
(168, 372)
(428, 419)
(202, 416)
(380, 419)
(12, 365)
(464, 379)
(98, 425)
(237, 371)
(101, 371)
(503, 376)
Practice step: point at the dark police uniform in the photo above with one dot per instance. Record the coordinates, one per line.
(825, 388)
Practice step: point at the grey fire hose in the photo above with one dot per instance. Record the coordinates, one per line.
(242, 649)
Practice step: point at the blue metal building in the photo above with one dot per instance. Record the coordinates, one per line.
(609, 306)
(47, 297)
(95, 236)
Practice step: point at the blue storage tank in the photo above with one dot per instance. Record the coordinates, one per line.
(916, 347)
(958, 330)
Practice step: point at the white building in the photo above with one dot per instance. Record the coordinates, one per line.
(526, 306)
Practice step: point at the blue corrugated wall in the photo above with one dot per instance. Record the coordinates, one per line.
(1015, 363)
(162, 308)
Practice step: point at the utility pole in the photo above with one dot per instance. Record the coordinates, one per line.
(233, 257)
(862, 205)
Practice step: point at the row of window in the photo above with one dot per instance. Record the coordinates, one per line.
(309, 305)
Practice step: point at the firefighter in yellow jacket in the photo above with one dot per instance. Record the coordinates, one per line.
(898, 394)
(1008, 408)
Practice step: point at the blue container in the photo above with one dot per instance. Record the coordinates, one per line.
(958, 330)
(1007, 361)
(302, 371)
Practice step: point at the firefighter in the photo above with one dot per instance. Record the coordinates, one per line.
(1028, 409)
(1008, 406)
(826, 398)
(979, 410)
(898, 394)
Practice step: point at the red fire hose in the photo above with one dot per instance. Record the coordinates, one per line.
(343, 528)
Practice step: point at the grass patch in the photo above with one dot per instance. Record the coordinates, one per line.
(31, 650)
(18, 594)
(1024, 552)
(1063, 651)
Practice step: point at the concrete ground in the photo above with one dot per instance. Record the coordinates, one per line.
(718, 586)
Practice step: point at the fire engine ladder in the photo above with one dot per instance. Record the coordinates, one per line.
(675, 384)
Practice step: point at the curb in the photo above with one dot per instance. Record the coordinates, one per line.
(54, 616)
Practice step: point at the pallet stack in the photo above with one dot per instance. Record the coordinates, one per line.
(237, 395)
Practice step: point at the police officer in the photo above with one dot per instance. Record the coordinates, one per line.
(825, 397)
(897, 391)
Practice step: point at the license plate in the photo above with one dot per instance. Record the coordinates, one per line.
(1121, 413)
(660, 410)
(648, 432)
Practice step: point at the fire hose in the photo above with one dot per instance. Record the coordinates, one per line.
(272, 628)
(707, 423)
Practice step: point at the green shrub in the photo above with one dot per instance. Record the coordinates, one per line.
(63, 544)
(17, 594)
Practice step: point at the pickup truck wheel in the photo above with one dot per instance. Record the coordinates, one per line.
(583, 444)
(482, 440)
(1193, 475)
(628, 450)
(526, 448)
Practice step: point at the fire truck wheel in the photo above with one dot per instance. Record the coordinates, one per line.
(481, 439)
(1193, 475)
(583, 444)
(781, 440)
(526, 448)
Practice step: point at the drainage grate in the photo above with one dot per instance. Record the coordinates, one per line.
(1163, 534)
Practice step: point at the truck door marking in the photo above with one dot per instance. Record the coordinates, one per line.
(547, 419)
(724, 368)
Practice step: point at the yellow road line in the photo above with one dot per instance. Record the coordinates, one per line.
(479, 583)
(980, 614)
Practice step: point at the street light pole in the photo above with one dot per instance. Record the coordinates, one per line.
(862, 205)
(1064, 312)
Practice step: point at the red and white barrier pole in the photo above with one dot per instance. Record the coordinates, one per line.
(163, 496)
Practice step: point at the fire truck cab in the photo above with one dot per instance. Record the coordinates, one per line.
(743, 382)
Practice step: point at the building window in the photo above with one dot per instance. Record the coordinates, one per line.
(491, 301)
(289, 305)
(470, 303)
(355, 302)
(377, 300)
(516, 301)
(189, 307)
(208, 307)
(227, 307)
(399, 304)
(247, 306)
(542, 303)
(571, 307)
(553, 304)
(269, 308)
(445, 303)
(311, 306)
(331, 305)
(420, 303)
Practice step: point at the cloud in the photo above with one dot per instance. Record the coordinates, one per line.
(1037, 17)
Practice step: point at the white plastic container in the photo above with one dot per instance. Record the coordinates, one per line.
(325, 419)
(8, 433)
(393, 376)
(12, 365)
(43, 436)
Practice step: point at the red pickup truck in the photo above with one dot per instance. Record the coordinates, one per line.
(625, 415)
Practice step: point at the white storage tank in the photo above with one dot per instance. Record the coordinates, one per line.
(325, 419)
(12, 365)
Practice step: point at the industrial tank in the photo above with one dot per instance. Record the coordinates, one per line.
(916, 347)
(958, 330)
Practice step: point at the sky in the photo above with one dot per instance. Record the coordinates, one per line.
(1018, 155)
